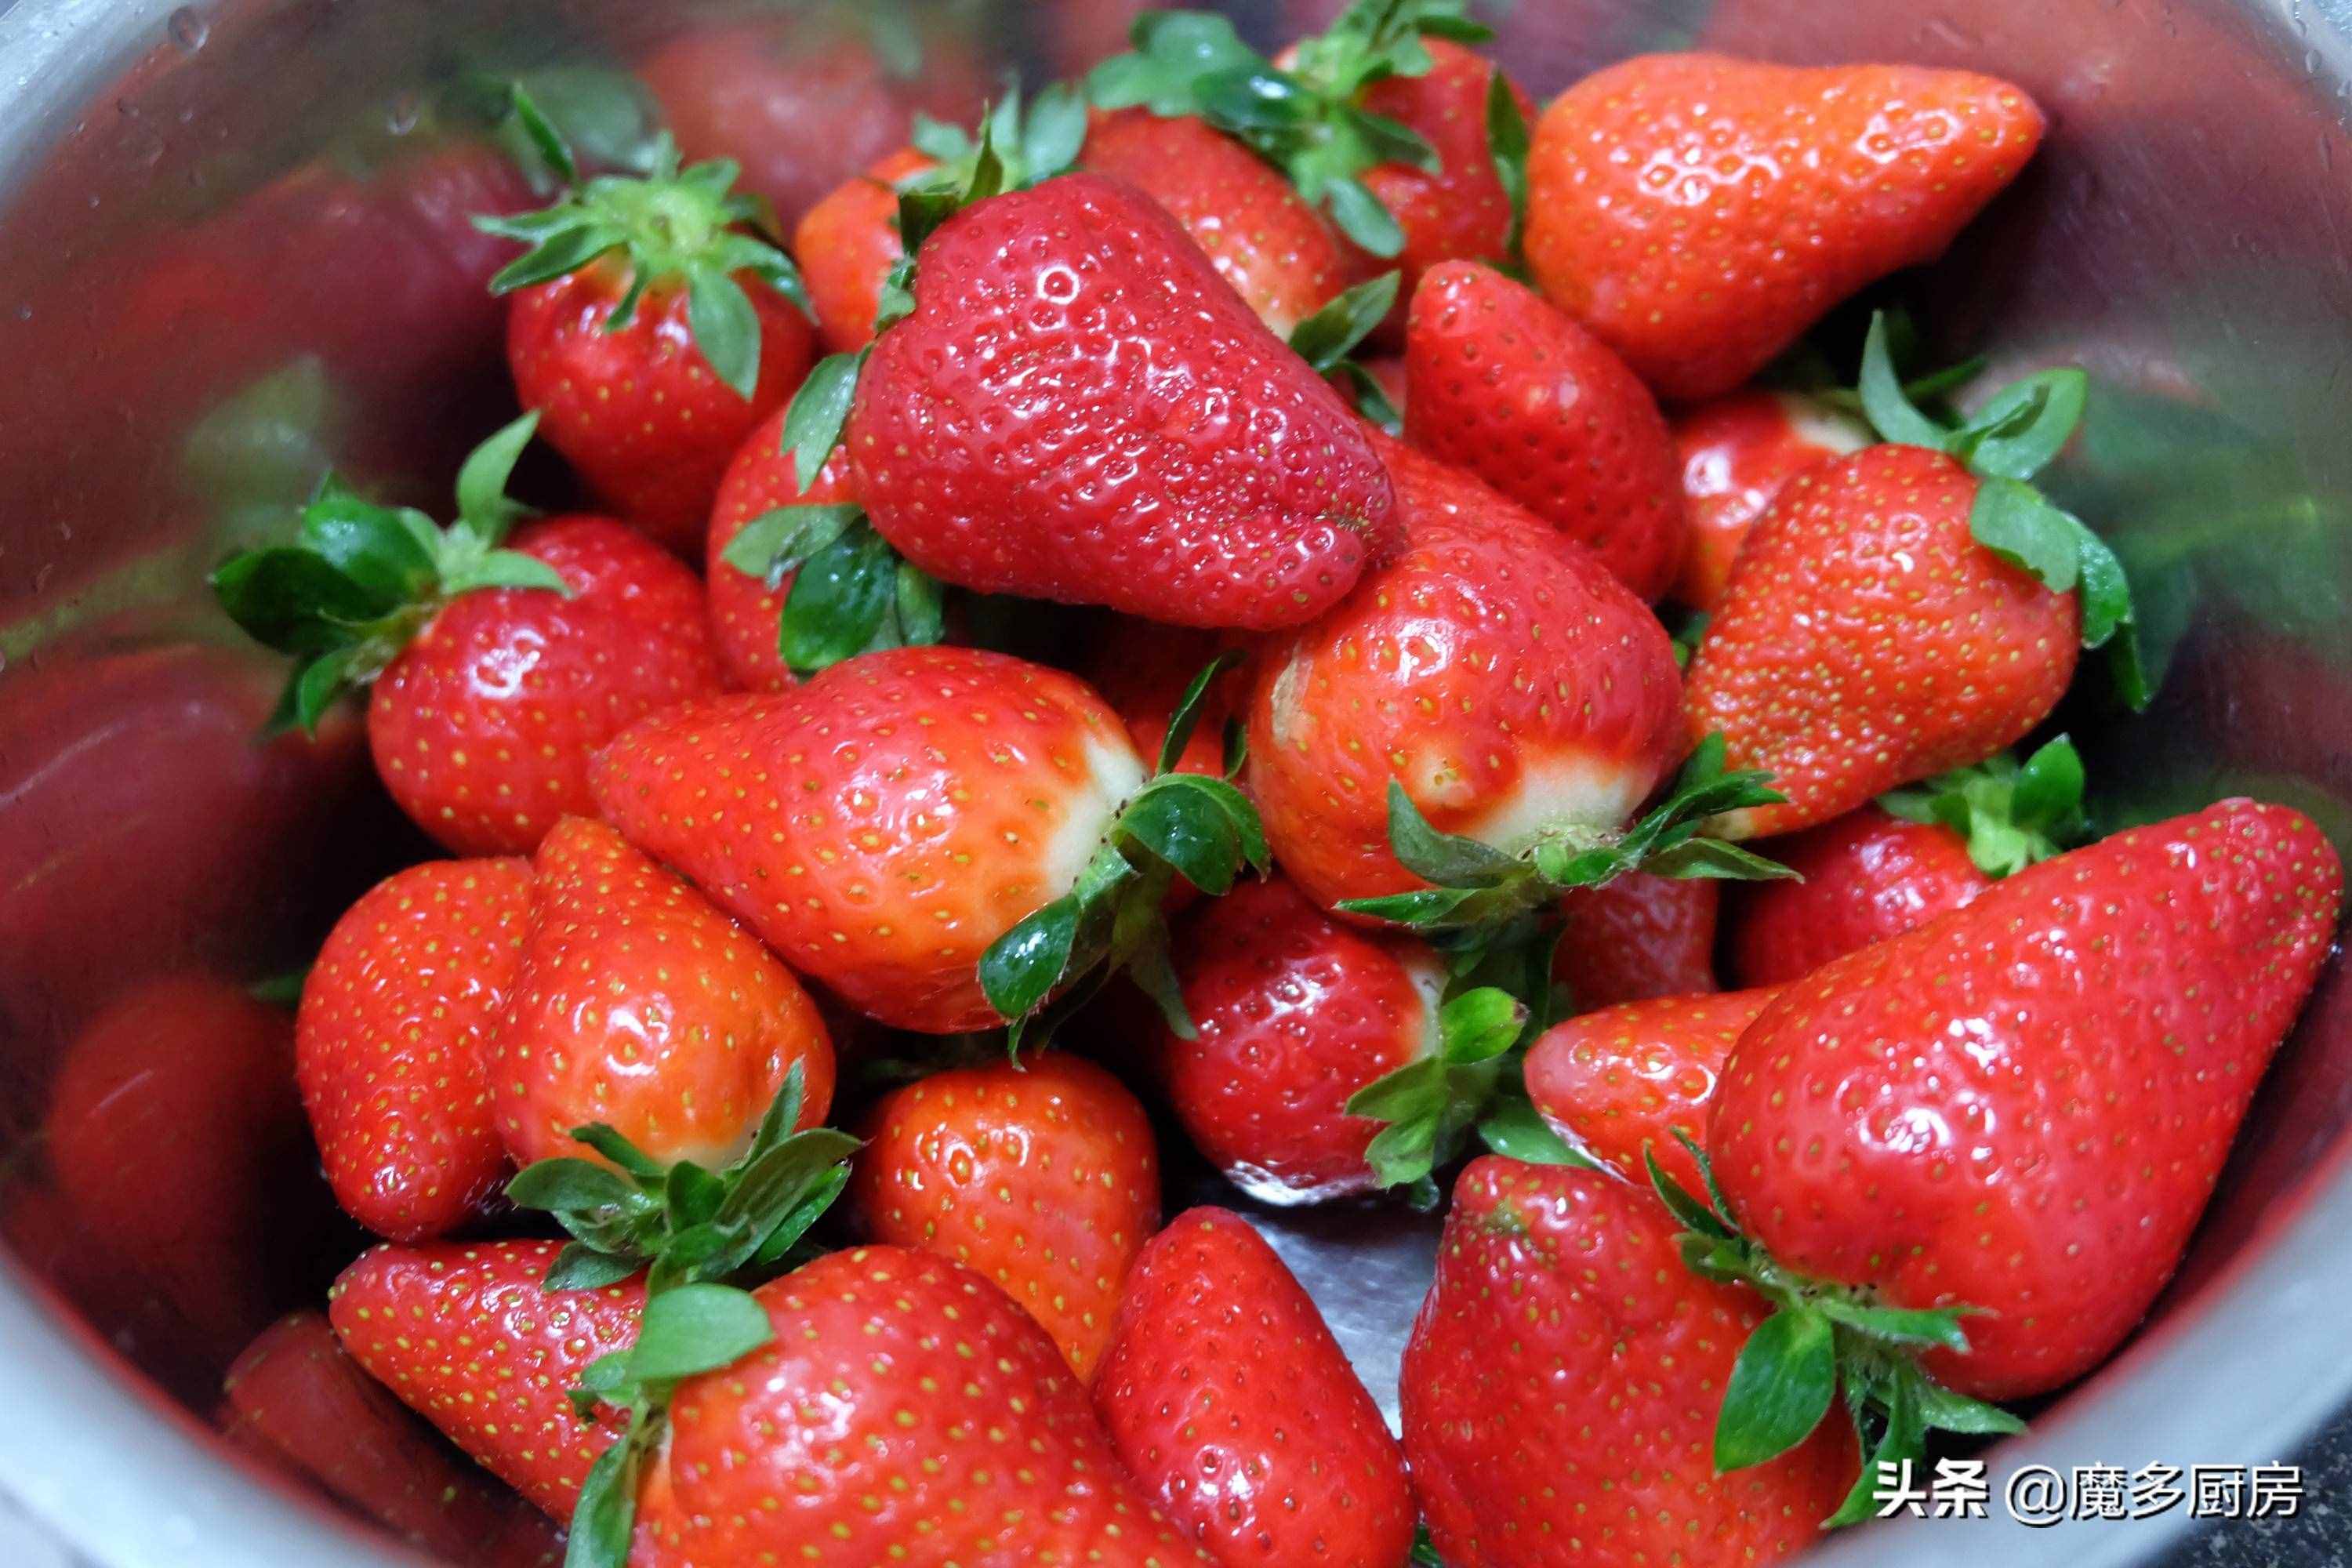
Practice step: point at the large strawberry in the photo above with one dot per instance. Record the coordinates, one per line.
(1040, 1176)
(496, 670)
(1908, 609)
(1734, 454)
(1005, 439)
(1503, 385)
(651, 330)
(942, 836)
(396, 1015)
(1558, 1390)
(1698, 213)
(1230, 1401)
(1638, 937)
(1974, 1152)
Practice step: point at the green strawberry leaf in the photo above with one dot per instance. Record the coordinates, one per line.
(1361, 216)
(725, 326)
(1885, 402)
(772, 546)
(2022, 427)
(542, 136)
(483, 504)
(696, 1329)
(842, 601)
(1479, 1026)
(1372, 400)
(1326, 338)
(604, 1518)
(819, 409)
(1780, 1388)
(2013, 521)
(1173, 51)
(1186, 715)
(2011, 814)
(580, 1266)
(1513, 1128)
(1508, 143)
(1447, 860)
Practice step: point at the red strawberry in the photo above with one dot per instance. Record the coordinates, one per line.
(1515, 689)
(1276, 250)
(1294, 1013)
(2019, 1107)
(1867, 876)
(885, 825)
(652, 330)
(1040, 1176)
(1143, 671)
(1230, 1401)
(904, 1410)
(847, 244)
(1559, 1388)
(396, 1017)
(1736, 453)
(1622, 1081)
(496, 671)
(639, 1005)
(1004, 440)
(1638, 937)
(1698, 213)
(465, 1334)
(1501, 383)
(744, 611)
(1459, 211)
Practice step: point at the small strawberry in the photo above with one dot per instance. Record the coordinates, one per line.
(496, 671)
(639, 1007)
(650, 329)
(1294, 1013)
(894, 1407)
(944, 837)
(1559, 1389)
(1908, 609)
(388, 1050)
(1001, 441)
(1698, 213)
(1040, 1176)
(468, 1336)
(1736, 452)
(1230, 1401)
(1636, 1079)
(1637, 937)
(1974, 1152)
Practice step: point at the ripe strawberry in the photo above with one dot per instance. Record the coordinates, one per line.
(640, 1006)
(1276, 250)
(1623, 1081)
(1559, 1388)
(1639, 937)
(496, 671)
(1000, 443)
(910, 813)
(388, 1047)
(745, 613)
(467, 1336)
(1867, 876)
(849, 243)
(902, 1410)
(1230, 1401)
(1516, 691)
(1736, 453)
(1461, 210)
(651, 331)
(1295, 1012)
(2018, 1108)
(1040, 1176)
(1665, 191)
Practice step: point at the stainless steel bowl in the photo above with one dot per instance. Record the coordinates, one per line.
(228, 257)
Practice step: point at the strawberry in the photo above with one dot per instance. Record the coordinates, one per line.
(1664, 193)
(1559, 1388)
(650, 330)
(1230, 1401)
(639, 1007)
(1506, 386)
(2015, 1111)
(944, 837)
(1895, 614)
(1638, 1078)
(1040, 1176)
(1866, 877)
(879, 1405)
(388, 1047)
(467, 1336)
(1638, 937)
(496, 671)
(1735, 453)
(1216, 481)
(745, 613)
(847, 245)
(1467, 208)
(1295, 1012)
(1143, 671)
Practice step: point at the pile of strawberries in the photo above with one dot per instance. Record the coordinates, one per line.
(1220, 549)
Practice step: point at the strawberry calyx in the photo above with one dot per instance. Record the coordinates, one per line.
(1305, 121)
(669, 227)
(1328, 339)
(360, 580)
(2013, 814)
(851, 592)
(2018, 432)
(1822, 1338)
(1178, 825)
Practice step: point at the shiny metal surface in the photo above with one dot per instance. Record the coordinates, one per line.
(231, 254)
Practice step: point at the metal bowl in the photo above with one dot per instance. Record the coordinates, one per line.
(231, 256)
